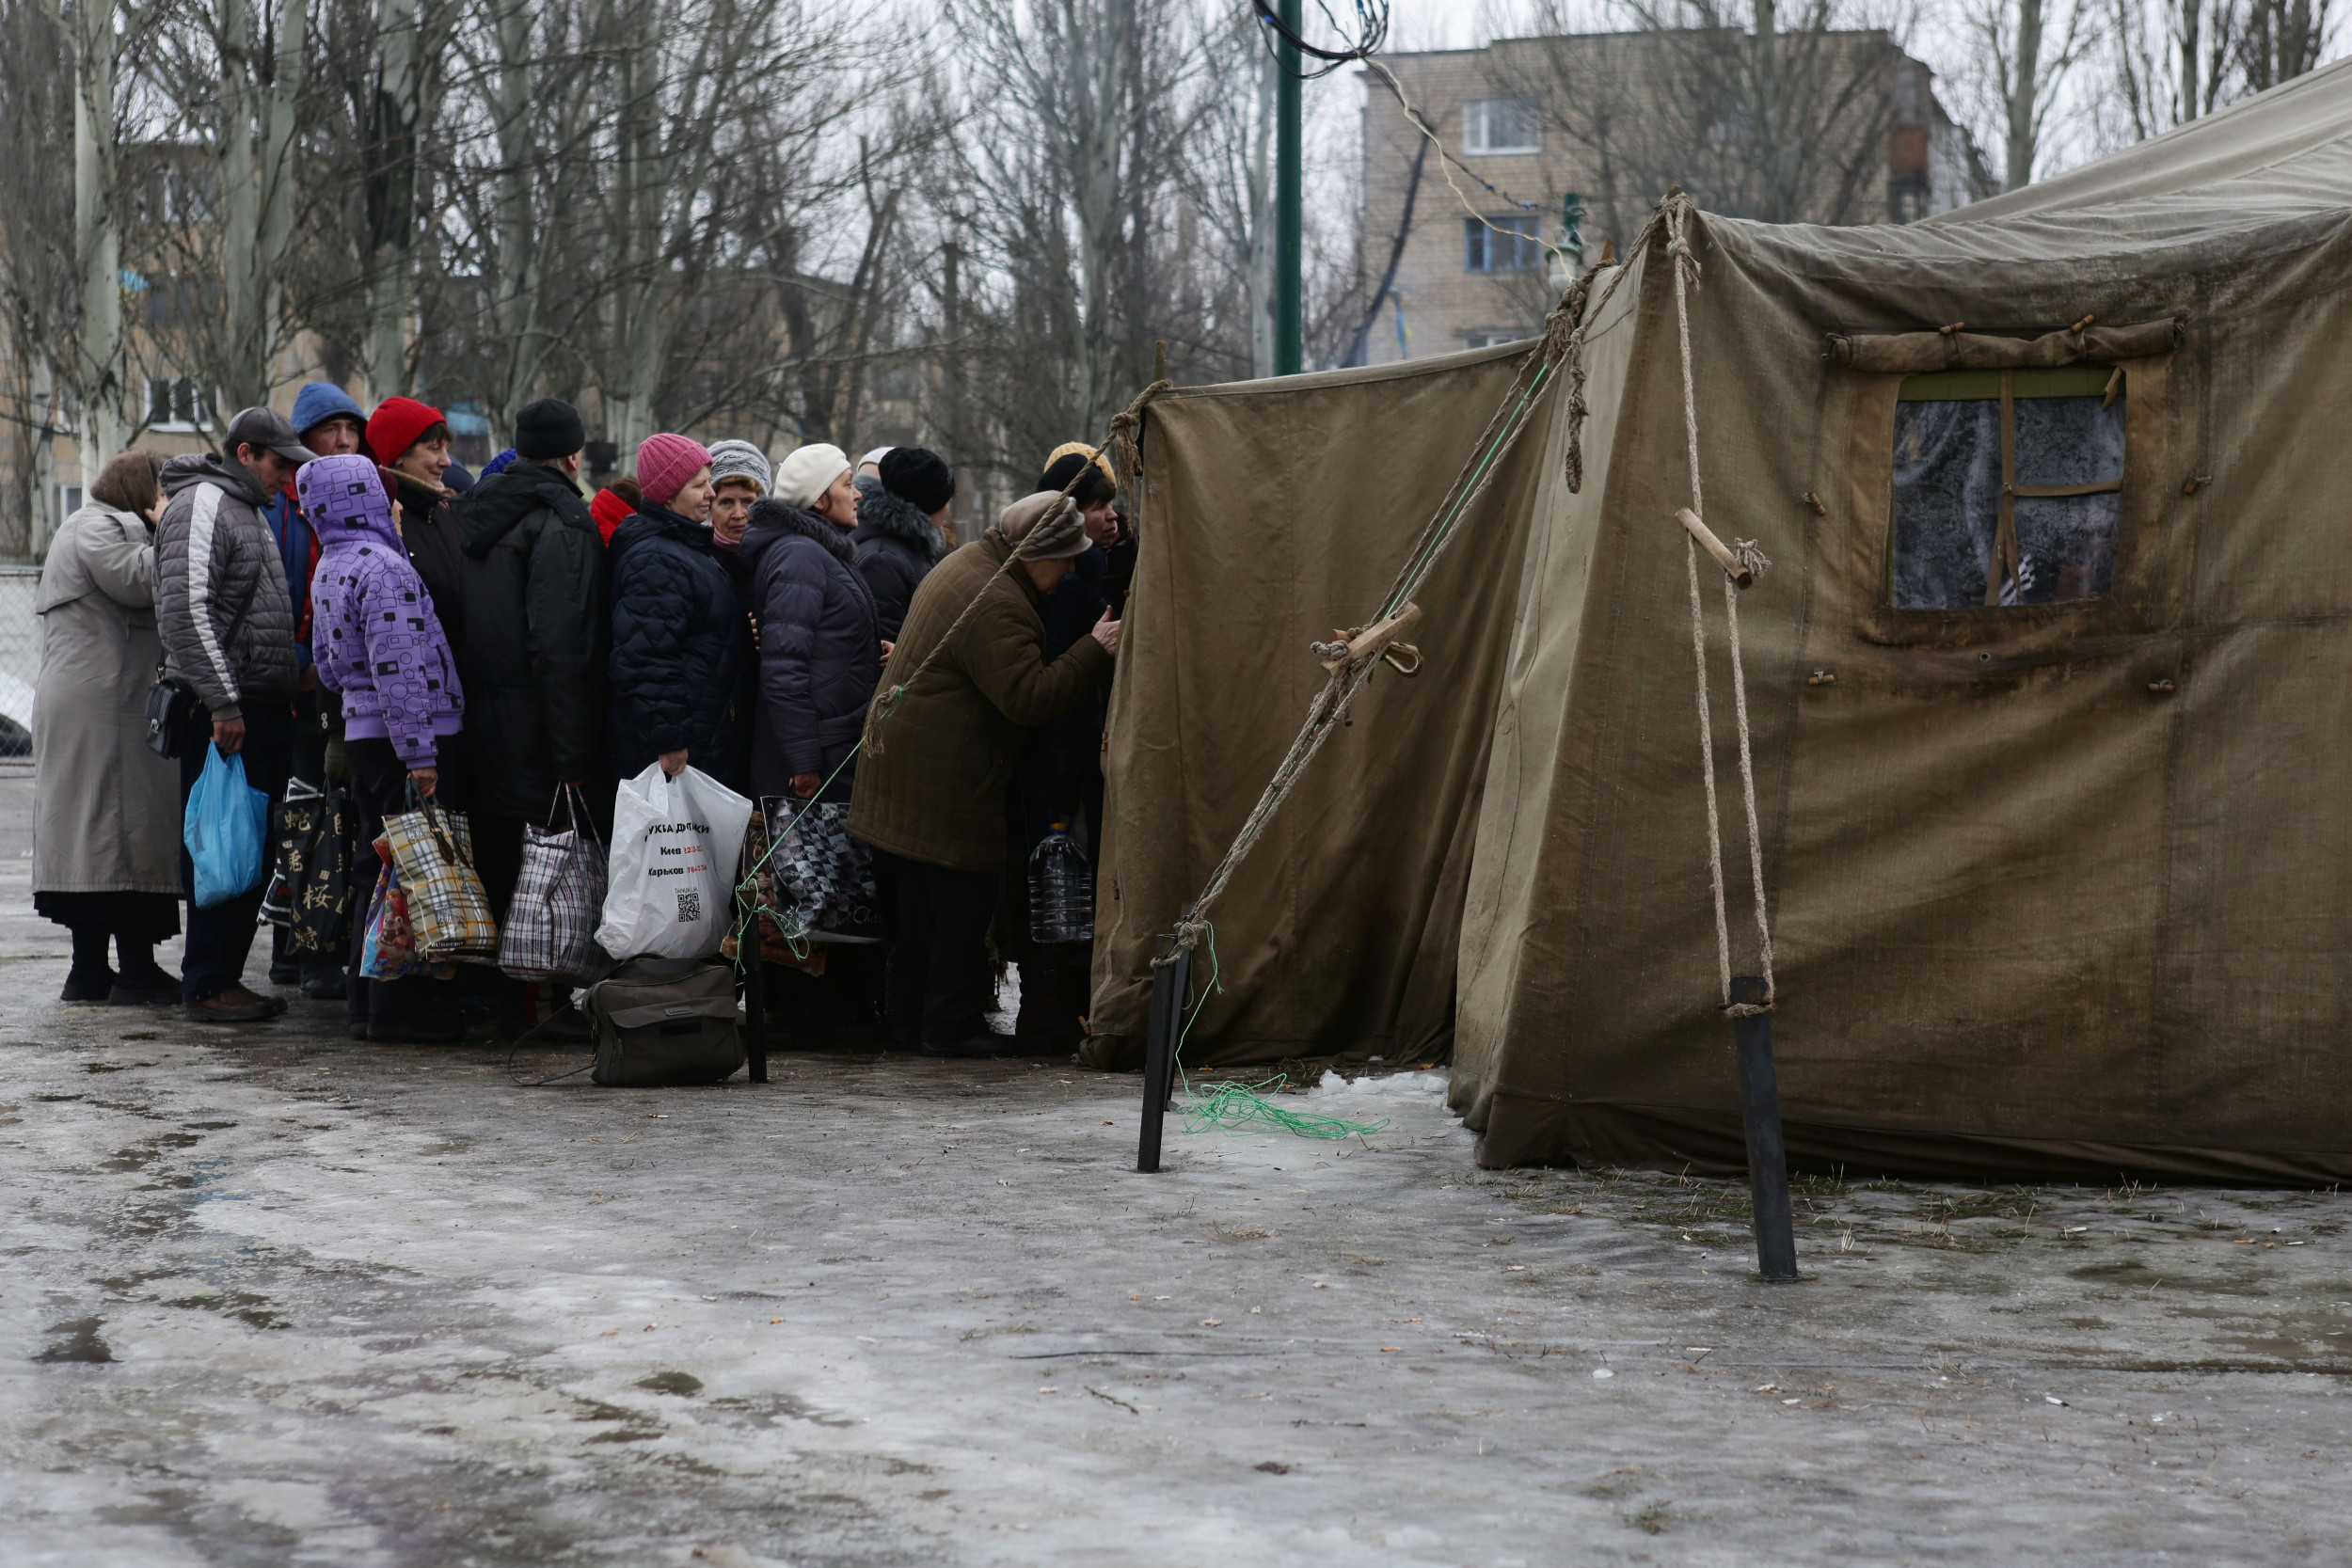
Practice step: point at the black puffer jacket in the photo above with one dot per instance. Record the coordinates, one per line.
(681, 651)
(428, 526)
(819, 650)
(897, 548)
(534, 652)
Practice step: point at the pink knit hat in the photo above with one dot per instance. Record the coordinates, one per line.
(665, 462)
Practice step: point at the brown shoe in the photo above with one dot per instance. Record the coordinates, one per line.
(234, 1005)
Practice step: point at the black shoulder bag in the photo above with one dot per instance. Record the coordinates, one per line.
(173, 705)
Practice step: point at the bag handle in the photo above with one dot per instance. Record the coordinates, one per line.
(436, 822)
(577, 820)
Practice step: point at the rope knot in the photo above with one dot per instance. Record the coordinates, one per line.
(1752, 561)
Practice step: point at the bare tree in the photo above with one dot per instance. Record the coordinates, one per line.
(394, 101)
(98, 375)
(1071, 162)
(2171, 62)
(1762, 112)
(2023, 51)
(39, 267)
(2283, 39)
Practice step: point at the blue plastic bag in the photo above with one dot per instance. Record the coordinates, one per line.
(226, 823)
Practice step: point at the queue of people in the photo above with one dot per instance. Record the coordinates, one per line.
(343, 614)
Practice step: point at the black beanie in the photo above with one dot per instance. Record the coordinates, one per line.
(547, 429)
(921, 479)
(1093, 487)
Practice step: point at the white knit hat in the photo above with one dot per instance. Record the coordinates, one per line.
(809, 472)
(876, 456)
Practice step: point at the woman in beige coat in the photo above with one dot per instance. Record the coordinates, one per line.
(105, 809)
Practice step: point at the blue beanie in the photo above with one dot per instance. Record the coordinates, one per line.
(320, 401)
(502, 461)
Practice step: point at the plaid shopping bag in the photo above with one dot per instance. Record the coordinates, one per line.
(433, 852)
(550, 928)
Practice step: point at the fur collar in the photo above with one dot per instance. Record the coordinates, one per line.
(884, 515)
(771, 517)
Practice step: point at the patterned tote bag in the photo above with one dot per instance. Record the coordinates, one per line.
(817, 876)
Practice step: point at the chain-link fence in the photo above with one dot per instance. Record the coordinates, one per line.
(20, 658)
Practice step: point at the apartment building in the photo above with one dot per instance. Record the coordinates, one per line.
(1559, 146)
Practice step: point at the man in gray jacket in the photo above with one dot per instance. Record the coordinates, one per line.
(229, 631)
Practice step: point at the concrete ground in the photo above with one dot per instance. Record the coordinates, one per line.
(271, 1298)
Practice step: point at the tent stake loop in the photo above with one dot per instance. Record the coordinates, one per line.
(1171, 984)
(1760, 1116)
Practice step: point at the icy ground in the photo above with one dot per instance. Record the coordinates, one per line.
(273, 1298)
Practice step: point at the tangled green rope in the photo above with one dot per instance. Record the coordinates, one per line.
(1236, 1108)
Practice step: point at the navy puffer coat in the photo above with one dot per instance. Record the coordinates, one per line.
(819, 650)
(681, 651)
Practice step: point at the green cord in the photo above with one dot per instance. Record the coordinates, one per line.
(1235, 1107)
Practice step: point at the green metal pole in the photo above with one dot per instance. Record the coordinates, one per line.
(1289, 295)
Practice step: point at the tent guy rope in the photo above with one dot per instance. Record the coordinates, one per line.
(1746, 562)
(1351, 657)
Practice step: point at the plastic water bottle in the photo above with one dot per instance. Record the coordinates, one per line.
(1061, 889)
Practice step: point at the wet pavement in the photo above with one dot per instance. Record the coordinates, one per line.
(272, 1297)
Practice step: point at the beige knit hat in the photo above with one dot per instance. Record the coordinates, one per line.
(1045, 527)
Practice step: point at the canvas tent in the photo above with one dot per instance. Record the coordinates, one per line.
(2049, 688)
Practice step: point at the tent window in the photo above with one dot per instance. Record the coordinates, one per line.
(2009, 487)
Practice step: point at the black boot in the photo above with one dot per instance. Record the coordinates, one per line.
(323, 978)
(142, 982)
(285, 969)
(89, 980)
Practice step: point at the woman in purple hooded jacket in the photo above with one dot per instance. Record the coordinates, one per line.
(377, 642)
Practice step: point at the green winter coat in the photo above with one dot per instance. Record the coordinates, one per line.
(930, 785)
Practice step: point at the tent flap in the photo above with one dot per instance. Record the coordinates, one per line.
(1919, 353)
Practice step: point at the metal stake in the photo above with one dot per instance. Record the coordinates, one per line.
(1172, 982)
(1767, 1157)
(747, 948)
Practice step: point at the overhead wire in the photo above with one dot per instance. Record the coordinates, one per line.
(1373, 34)
(1371, 17)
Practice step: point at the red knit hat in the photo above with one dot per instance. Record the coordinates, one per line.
(396, 425)
(665, 462)
(610, 509)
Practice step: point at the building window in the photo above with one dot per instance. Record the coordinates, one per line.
(1494, 336)
(1501, 245)
(69, 501)
(171, 403)
(1492, 125)
(2009, 487)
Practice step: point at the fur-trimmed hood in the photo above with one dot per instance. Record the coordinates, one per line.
(884, 515)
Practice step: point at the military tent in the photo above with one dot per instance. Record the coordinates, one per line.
(2050, 686)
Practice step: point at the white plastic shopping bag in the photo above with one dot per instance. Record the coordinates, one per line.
(675, 843)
